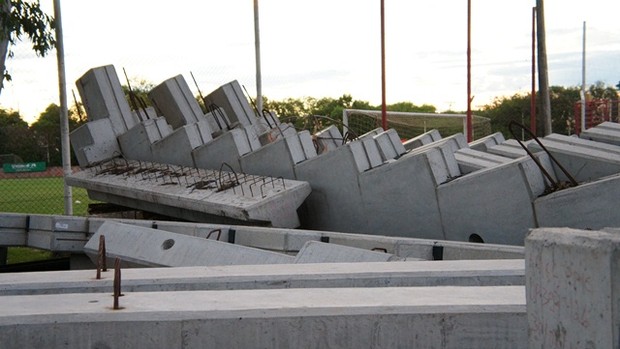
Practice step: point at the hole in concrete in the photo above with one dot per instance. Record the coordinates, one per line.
(167, 244)
(476, 238)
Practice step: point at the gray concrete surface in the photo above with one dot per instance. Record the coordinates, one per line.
(269, 276)
(606, 132)
(174, 100)
(484, 143)
(320, 252)
(94, 142)
(573, 288)
(423, 139)
(440, 317)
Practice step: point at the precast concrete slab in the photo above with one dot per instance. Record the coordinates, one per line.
(282, 130)
(423, 139)
(471, 160)
(278, 158)
(136, 143)
(389, 144)
(94, 142)
(227, 148)
(493, 205)
(425, 317)
(583, 162)
(606, 132)
(146, 247)
(336, 193)
(328, 139)
(484, 143)
(161, 188)
(270, 276)
(103, 98)
(411, 208)
(13, 227)
(510, 149)
(231, 99)
(591, 205)
(56, 233)
(320, 252)
(174, 100)
(177, 147)
(448, 146)
(573, 288)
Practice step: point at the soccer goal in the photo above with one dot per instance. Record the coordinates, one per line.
(409, 125)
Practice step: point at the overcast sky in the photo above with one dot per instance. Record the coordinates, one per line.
(323, 48)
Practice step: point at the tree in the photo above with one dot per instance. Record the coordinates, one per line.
(15, 136)
(19, 18)
(45, 131)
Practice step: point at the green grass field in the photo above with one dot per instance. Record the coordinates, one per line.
(40, 195)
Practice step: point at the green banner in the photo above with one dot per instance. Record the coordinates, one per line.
(24, 167)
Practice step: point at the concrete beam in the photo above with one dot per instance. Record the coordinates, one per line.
(423, 139)
(573, 288)
(174, 101)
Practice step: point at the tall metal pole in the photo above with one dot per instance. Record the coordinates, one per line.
(533, 94)
(259, 87)
(470, 135)
(583, 81)
(384, 123)
(64, 114)
(543, 75)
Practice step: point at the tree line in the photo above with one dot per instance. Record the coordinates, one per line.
(40, 141)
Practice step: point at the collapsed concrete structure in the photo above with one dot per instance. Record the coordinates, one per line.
(427, 187)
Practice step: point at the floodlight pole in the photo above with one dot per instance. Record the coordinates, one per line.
(384, 123)
(259, 84)
(533, 95)
(543, 71)
(469, 121)
(583, 81)
(64, 114)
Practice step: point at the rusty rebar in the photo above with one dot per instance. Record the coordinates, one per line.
(117, 282)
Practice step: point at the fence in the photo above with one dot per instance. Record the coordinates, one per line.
(39, 192)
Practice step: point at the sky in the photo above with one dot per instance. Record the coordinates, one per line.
(323, 48)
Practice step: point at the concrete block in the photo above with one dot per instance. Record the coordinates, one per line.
(389, 144)
(144, 247)
(471, 160)
(493, 205)
(94, 142)
(278, 159)
(484, 143)
(103, 97)
(423, 139)
(583, 162)
(282, 130)
(426, 317)
(411, 208)
(174, 100)
(13, 229)
(448, 146)
(510, 149)
(328, 139)
(606, 132)
(226, 148)
(319, 252)
(231, 99)
(284, 240)
(177, 147)
(587, 206)
(272, 276)
(136, 143)
(366, 153)
(573, 288)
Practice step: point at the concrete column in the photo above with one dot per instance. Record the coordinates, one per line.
(573, 288)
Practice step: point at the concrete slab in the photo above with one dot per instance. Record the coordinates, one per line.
(423, 139)
(584, 163)
(102, 97)
(320, 252)
(587, 206)
(484, 143)
(493, 205)
(471, 160)
(448, 146)
(174, 100)
(13, 227)
(270, 276)
(231, 99)
(510, 149)
(328, 139)
(177, 147)
(136, 143)
(177, 191)
(389, 144)
(226, 148)
(94, 142)
(573, 288)
(440, 317)
(145, 247)
(278, 158)
(606, 132)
